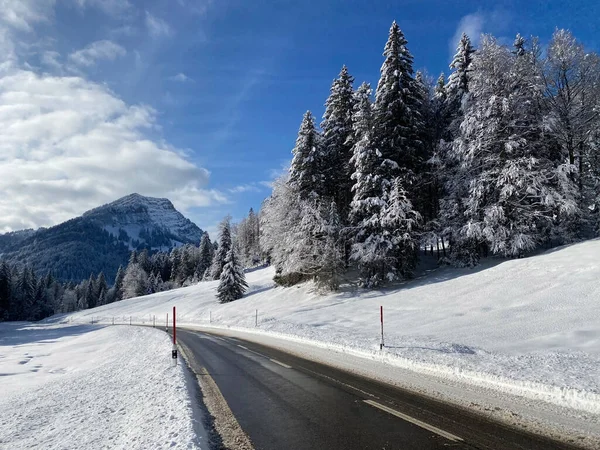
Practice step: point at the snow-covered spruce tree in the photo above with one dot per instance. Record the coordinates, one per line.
(225, 243)
(450, 116)
(369, 186)
(232, 281)
(205, 259)
(397, 111)
(306, 170)
(101, 286)
(458, 81)
(116, 293)
(91, 293)
(337, 141)
(400, 223)
(513, 189)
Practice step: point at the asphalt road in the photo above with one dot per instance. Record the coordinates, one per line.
(283, 402)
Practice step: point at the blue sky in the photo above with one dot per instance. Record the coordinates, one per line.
(212, 91)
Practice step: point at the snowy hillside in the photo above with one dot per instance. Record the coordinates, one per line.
(529, 327)
(135, 215)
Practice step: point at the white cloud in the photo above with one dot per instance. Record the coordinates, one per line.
(67, 145)
(51, 59)
(497, 21)
(251, 187)
(472, 25)
(111, 7)
(99, 50)
(156, 26)
(180, 77)
(22, 14)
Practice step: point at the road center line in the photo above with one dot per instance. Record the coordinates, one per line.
(280, 363)
(264, 356)
(252, 351)
(414, 421)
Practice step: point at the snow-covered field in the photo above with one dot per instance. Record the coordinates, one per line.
(83, 386)
(529, 327)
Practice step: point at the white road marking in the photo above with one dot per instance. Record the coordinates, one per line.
(280, 363)
(264, 356)
(414, 421)
(252, 351)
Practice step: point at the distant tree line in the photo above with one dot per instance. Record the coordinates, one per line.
(26, 296)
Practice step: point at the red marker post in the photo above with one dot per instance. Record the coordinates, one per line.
(174, 352)
(381, 315)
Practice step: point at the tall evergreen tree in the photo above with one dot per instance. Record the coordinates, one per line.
(205, 259)
(306, 170)
(91, 293)
(225, 244)
(337, 141)
(118, 286)
(397, 110)
(458, 82)
(232, 281)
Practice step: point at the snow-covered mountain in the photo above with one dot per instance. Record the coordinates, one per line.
(101, 239)
(146, 221)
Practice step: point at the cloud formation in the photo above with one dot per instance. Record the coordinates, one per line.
(157, 27)
(96, 51)
(472, 25)
(67, 145)
(180, 77)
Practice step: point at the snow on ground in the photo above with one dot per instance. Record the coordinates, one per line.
(529, 327)
(83, 386)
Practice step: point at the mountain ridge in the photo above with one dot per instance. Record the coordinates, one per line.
(101, 238)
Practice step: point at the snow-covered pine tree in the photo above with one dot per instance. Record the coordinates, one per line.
(100, 285)
(205, 258)
(306, 170)
(225, 244)
(397, 111)
(458, 81)
(117, 289)
(91, 293)
(400, 222)
(337, 141)
(368, 190)
(452, 209)
(513, 188)
(232, 281)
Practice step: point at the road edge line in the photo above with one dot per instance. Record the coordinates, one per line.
(414, 421)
